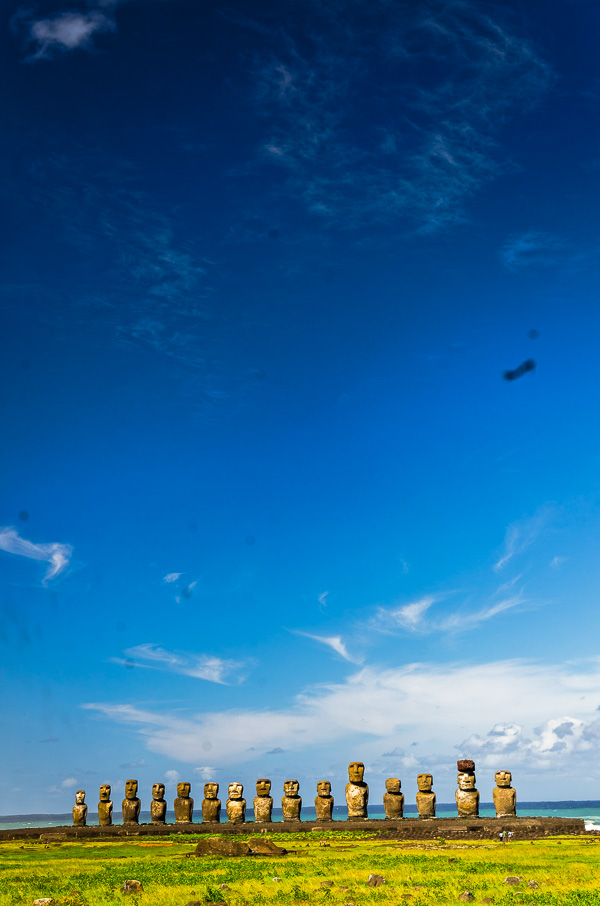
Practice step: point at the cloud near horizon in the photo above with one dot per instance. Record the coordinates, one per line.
(57, 555)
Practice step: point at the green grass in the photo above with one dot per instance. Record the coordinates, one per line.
(418, 874)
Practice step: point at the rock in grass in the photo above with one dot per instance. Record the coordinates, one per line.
(326, 884)
(224, 887)
(487, 900)
(43, 901)
(533, 884)
(195, 903)
(375, 880)
(256, 846)
(512, 880)
(132, 887)
(466, 896)
(276, 878)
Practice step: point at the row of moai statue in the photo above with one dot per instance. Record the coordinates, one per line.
(357, 799)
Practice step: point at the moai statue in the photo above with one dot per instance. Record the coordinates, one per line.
(291, 804)
(158, 806)
(467, 797)
(425, 796)
(393, 799)
(184, 804)
(505, 797)
(236, 804)
(131, 804)
(357, 791)
(105, 806)
(211, 804)
(79, 809)
(324, 801)
(263, 801)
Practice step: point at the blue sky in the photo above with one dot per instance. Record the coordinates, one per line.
(269, 504)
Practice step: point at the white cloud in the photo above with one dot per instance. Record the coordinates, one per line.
(521, 534)
(61, 33)
(414, 617)
(334, 641)
(446, 706)
(172, 577)
(206, 772)
(200, 666)
(172, 776)
(408, 616)
(532, 249)
(322, 599)
(57, 555)
(68, 783)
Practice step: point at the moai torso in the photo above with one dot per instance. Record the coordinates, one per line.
(236, 805)
(131, 804)
(184, 804)
(357, 792)
(324, 801)
(425, 796)
(79, 809)
(467, 797)
(393, 799)
(211, 805)
(263, 802)
(158, 806)
(505, 797)
(291, 804)
(105, 806)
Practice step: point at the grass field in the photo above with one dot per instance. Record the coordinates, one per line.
(567, 870)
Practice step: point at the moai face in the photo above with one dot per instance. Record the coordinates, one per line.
(465, 781)
(236, 790)
(393, 785)
(323, 788)
(291, 788)
(503, 778)
(356, 772)
(183, 790)
(131, 789)
(105, 792)
(80, 797)
(425, 783)
(263, 787)
(158, 791)
(211, 790)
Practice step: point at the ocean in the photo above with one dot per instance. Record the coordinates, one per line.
(589, 810)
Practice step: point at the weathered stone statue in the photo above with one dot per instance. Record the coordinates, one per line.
(184, 804)
(158, 807)
(236, 804)
(79, 809)
(425, 796)
(291, 804)
(357, 792)
(131, 804)
(393, 799)
(324, 801)
(263, 801)
(211, 804)
(505, 797)
(105, 806)
(467, 797)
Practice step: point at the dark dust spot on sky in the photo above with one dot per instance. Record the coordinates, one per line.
(522, 369)
(129, 664)
(193, 528)
(186, 592)
(273, 233)
(533, 334)
(23, 515)
(250, 540)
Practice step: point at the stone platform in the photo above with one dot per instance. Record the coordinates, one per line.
(450, 829)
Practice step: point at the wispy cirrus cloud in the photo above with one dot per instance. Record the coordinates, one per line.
(415, 616)
(66, 31)
(420, 157)
(200, 666)
(533, 249)
(521, 534)
(55, 554)
(334, 642)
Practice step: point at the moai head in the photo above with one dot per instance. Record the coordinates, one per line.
(356, 772)
(393, 785)
(80, 797)
(465, 780)
(291, 788)
(236, 790)
(211, 790)
(263, 787)
(503, 778)
(131, 789)
(105, 792)
(158, 791)
(183, 790)
(323, 788)
(425, 783)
